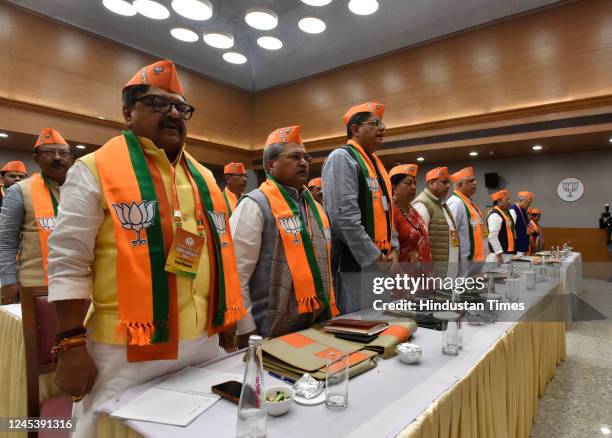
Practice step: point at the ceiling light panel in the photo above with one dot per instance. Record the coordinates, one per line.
(219, 39)
(261, 18)
(363, 7)
(269, 42)
(312, 25)
(199, 10)
(234, 57)
(120, 7)
(182, 34)
(151, 9)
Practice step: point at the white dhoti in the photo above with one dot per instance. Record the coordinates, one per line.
(116, 374)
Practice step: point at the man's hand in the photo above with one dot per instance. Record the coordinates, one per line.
(500, 259)
(9, 292)
(243, 340)
(76, 372)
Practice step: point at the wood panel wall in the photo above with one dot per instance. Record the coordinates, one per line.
(48, 64)
(591, 242)
(557, 54)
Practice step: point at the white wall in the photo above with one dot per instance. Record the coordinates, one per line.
(7, 155)
(541, 175)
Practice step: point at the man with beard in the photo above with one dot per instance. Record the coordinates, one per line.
(357, 195)
(502, 234)
(235, 182)
(11, 173)
(283, 245)
(28, 217)
(314, 185)
(142, 233)
(438, 219)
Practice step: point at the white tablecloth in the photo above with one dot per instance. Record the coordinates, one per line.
(571, 274)
(382, 401)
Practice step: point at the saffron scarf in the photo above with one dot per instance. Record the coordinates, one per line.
(139, 207)
(477, 234)
(509, 228)
(45, 212)
(378, 222)
(231, 200)
(299, 248)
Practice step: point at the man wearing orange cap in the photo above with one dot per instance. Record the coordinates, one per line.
(314, 185)
(28, 216)
(536, 238)
(357, 194)
(144, 234)
(471, 225)
(519, 214)
(235, 182)
(502, 235)
(11, 173)
(438, 218)
(283, 245)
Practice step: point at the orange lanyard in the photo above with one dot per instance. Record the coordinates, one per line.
(199, 209)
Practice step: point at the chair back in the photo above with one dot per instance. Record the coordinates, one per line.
(39, 331)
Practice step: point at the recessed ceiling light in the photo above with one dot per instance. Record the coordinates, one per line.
(193, 9)
(234, 57)
(151, 9)
(420, 159)
(3, 134)
(605, 430)
(101, 117)
(269, 42)
(317, 2)
(80, 146)
(536, 147)
(120, 7)
(312, 25)
(474, 154)
(219, 39)
(610, 139)
(363, 7)
(261, 18)
(180, 33)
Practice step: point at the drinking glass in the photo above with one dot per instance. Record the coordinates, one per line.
(336, 380)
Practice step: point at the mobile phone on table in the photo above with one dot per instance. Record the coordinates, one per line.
(229, 390)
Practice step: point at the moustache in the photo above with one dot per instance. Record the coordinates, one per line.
(170, 123)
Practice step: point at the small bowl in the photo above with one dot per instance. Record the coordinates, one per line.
(279, 408)
(409, 353)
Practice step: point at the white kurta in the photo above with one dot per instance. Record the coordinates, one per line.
(462, 222)
(453, 251)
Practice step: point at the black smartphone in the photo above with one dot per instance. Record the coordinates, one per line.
(229, 390)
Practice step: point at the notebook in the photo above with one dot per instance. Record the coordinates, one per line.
(355, 327)
(177, 400)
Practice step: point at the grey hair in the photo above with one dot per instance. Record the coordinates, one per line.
(271, 152)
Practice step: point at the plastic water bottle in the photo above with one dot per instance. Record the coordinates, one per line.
(251, 408)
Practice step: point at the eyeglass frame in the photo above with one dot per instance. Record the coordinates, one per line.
(306, 157)
(375, 122)
(172, 104)
(64, 153)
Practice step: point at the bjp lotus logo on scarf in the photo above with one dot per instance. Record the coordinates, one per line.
(136, 217)
(219, 220)
(373, 184)
(46, 223)
(291, 225)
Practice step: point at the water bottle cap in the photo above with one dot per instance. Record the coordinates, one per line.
(255, 339)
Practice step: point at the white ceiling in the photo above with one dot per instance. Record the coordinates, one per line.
(347, 39)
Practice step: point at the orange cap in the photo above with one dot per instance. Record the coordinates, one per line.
(437, 173)
(315, 182)
(49, 136)
(290, 134)
(468, 172)
(525, 194)
(162, 74)
(377, 109)
(14, 166)
(234, 168)
(534, 211)
(499, 195)
(404, 169)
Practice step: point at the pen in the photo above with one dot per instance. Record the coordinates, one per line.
(283, 378)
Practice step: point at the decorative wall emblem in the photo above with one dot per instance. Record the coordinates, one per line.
(570, 189)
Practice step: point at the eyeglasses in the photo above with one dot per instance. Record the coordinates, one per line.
(375, 122)
(163, 105)
(50, 153)
(296, 156)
